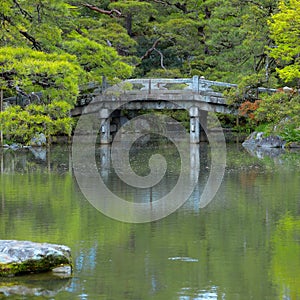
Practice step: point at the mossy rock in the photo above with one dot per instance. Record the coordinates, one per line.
(22, 257)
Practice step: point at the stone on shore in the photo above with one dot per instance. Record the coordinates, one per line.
(21, 257)
(38, 140)
(258, 139)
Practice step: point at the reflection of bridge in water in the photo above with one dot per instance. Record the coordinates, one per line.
(196, 171)
(197, 96)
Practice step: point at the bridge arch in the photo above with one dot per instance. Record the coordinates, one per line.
(111, 117)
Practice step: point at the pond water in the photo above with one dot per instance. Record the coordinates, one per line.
(245, 244)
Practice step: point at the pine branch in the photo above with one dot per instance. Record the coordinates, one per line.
(8, 74)
(114, 13)
(25, 13)
(149, 51)
(34, 42)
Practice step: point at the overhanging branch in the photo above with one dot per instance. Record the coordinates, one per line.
(29, 37)
(114, 13)
(34, 42)
(150, 50)
(24, 12)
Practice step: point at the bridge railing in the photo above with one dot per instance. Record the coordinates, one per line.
(195, 84)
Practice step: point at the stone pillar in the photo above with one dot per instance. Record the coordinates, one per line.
(203, 127)
(195, 84)
(194, 125)
(105, 137)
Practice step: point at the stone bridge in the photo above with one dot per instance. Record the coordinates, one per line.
(196, 95)
(159, 94)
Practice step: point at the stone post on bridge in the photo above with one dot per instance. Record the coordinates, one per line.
(197, 133)
(104, 115)
(195, 84)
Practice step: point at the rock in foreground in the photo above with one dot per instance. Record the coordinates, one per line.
(21, 257)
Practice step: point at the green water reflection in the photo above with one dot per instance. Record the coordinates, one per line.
(244, 245)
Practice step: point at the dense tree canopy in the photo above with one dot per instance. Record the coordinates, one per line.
(219, 39)
(56, 74)
(213, 38)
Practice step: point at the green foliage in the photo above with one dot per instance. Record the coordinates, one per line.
(106, 31)
(57, 75)
(96, 59)
(291, 134)
(21, 125)
(281, 112)
(278, 106)
(51, 47)
(218, 39)
(58, 28)
(285, 31)
(275, 113)
(162, 73)
(246, 89)
(136, 14)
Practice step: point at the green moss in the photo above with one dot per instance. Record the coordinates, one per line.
(33, 266)
(7, 270)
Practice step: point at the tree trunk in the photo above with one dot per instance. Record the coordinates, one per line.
(128, 20)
